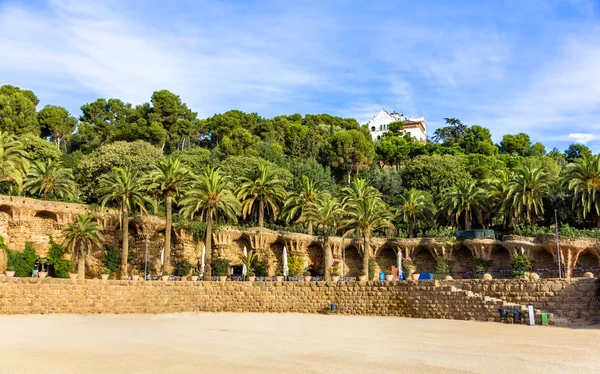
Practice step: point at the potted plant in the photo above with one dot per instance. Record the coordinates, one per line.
(221, 268)
(195, 275)
(250, 275)
(388, 276)
(10, 271)
(135, 273)
(165, 276)
(104, 273)
(72, 274)
(409, 269)
(335, 276)
(279, 276)
(43, 273)
(362, 276)
(307, 275)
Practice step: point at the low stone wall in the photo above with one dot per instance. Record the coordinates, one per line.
(428, 299)
(573, 299)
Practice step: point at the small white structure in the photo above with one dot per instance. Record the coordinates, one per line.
(417, 127)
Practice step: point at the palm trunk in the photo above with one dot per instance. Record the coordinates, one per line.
(411, 229)
(261, 213)
(125, 241)
(467, 219)
(326, 273)
(208, 250)
(598, 222)
(366, 254)
(349, 171)
(309, 227)
(169, 204)
(81, 263)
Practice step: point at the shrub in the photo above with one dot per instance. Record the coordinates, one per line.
(260, 268)
(442, 268)
(251, 273)
(112, 259)
(295, 266)
(62, 266)
(220, 266)
(22, 262)
(334, 271)
(519, 265)
(480, 266)
(182, 268)
(372, 265)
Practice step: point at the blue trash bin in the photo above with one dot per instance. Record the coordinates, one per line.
(381, 276)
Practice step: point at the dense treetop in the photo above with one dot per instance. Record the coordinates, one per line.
(458, 178)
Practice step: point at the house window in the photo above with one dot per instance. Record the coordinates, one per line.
(380, 127)
(372, 128)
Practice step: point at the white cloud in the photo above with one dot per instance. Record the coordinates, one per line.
(582, 138)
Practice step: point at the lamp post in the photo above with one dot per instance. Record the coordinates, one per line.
(146, 260)
(343, 256)
(557, 243)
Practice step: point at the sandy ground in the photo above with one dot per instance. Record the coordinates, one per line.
(287, 343)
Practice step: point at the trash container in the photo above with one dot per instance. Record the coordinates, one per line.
(381, 276)
(544, 318)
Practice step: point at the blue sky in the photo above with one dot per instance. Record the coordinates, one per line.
(511, 66)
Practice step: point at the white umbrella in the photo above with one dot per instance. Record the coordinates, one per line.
(202, 265)
(285, 263)
(244, 269)
(162, 257)
(399, 264)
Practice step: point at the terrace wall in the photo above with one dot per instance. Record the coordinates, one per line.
(425, 299)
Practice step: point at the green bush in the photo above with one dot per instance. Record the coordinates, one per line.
(442, 268)
(182, 268)
(22, 262)
(220, 267)
(372, 265)
(519, 265)
(480, 266)
(295, 266)
(260, 268)
(112, 259)
(62, 266)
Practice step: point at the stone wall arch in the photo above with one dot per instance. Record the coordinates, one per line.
(543, 260)
(424, 260)
(46, 214)
(500, 259)
(463, 261)
(315, 258)
(587, 260)
(7, 210)
(386, 257)
(353, 263)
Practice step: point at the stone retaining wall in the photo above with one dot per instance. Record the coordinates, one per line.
(573, 299)
(424, 299)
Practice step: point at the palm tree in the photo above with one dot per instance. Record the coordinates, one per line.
(208, 196)
(263, 193)
(169, 177)
(325, 212)
(127, 188)
(80, 238)
(298, 202)
(365, 216)
(583, 180)
(415, 205)
(358, 190)
(47, 178)
(526, 189)
(497, 189)
(465, 198)
(13, 160)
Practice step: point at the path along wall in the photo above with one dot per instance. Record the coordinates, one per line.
(425, 299)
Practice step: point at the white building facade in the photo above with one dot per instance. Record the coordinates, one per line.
(417, 127)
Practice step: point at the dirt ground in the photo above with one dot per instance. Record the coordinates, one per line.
(287, 343)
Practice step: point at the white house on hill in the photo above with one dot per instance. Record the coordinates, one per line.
(417, 127)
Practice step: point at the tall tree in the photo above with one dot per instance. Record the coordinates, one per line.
(325, 212)
(127, 188)
(526, 191)
(415, 205)
(453, 134)
(17, 111)
(464, 199)
(13, 160)
(351, 151)
(497, 187)
(80, 237)
(208, 196)
(298, 203)
(56, 123)
(49, 179)
(170, 178)
(265, 192)
(583, 180)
